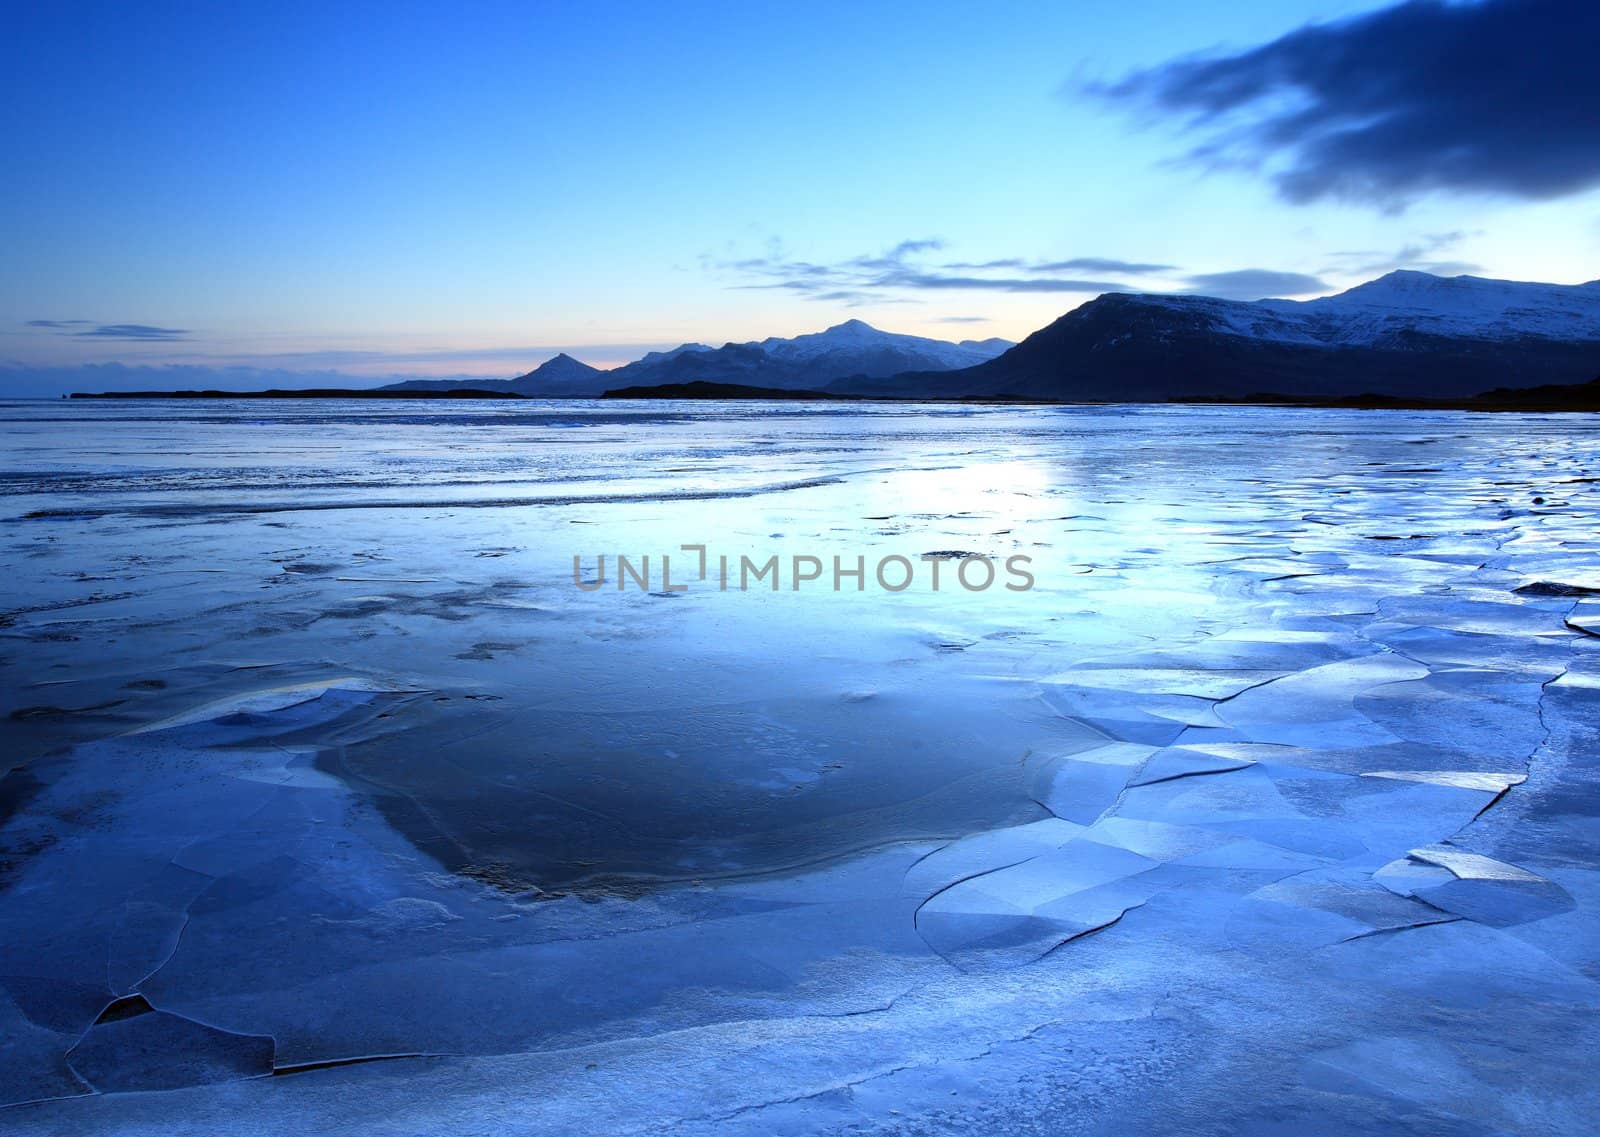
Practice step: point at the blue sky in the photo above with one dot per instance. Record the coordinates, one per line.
(372, 189)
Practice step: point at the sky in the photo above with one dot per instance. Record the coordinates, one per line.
(326, 193)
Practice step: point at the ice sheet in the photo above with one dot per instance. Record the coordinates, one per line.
(336, 805)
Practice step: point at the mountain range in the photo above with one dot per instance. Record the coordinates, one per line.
(1407, 334)
(853, 349)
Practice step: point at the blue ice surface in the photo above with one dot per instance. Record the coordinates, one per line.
(338, 806)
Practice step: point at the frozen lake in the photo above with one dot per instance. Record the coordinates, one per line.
(1270, 807)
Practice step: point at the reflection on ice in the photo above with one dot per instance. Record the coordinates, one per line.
(1283, 772)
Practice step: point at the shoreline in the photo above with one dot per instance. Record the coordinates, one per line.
(1579, 399)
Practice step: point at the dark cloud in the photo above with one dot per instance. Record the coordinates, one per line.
(58, 324)
(962, 320)
(1498, 97)
(1256, 284)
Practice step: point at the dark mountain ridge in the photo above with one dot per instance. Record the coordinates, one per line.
(559, 378)
(1407, 335)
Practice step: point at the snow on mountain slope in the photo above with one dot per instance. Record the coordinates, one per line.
(1464, 306)
(653, 357)
(1407, 334)
(808, 361)
(1404, 304)
(855, 336)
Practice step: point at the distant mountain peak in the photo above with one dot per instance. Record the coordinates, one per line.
(1415, 280)
(852, 327)
(558, 375)
(1409, 274)
(562, 364)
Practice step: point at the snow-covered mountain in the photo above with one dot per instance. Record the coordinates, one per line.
(655, 357)
(1407, 303)
(854, 337)
(851, 349)
(1405, 334)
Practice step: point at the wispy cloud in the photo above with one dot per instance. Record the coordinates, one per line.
(1102, 264)
(904, 251)
(89, 329)
(939, 280)
(1421, 254)
(982, 266)
(903, 268)
(135, 332)
(1499, 97)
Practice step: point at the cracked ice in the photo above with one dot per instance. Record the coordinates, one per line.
(335, 804)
